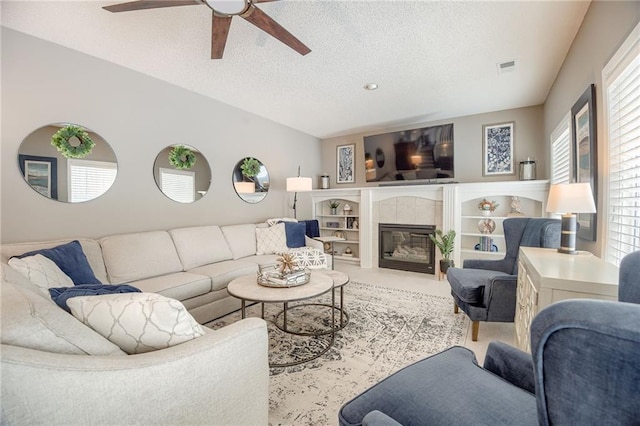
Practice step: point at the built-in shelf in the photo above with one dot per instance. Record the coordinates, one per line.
(348, 226)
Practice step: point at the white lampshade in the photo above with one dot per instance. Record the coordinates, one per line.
(571, 198)
(245, 187)
(299, 184)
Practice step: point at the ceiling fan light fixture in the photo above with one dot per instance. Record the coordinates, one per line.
(228, 7)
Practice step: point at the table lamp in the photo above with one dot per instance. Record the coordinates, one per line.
(298, 184)
(569, 199)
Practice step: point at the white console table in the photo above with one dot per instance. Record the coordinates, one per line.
(546, 276)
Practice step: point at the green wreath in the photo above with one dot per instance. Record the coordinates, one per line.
(61, 141)
(182, 157)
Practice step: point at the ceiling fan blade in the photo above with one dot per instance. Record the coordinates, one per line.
(148, 4)
(219, 31)
(268, 25)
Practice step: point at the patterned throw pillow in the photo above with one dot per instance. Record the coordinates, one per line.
(137, 322)
(310, 257)
(41, 271)
(276, 220)
(271, 240)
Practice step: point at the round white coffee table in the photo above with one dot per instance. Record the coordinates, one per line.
(246, 288)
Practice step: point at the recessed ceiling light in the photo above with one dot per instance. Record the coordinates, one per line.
(370, 86)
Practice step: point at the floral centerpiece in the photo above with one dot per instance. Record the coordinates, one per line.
(486, 207)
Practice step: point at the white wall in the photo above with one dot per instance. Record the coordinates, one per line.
(467, 135)
(138, 116)
(606, 25)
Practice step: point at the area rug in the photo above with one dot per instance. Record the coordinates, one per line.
(387, 330)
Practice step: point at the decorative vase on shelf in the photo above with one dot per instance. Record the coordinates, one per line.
(486, 212)
(486, 226)
(334, 210)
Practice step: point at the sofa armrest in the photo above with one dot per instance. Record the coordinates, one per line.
(219, 378)
(490, 265)
(312, 242)
(512, 364)
(378, 418)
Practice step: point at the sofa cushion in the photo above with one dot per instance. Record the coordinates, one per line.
(241, 239)
(468, 284)
(136, 256)
(71, 260)
(295, 233)
(263, 260)
(271, 240)
(30, 320)
(137, 322)
(200, 245)
(221, 273)
(179, 285)
(41, 272)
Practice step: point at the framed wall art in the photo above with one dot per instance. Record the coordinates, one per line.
(583, 142)
(346, 164)
(41, 173)
(497, 149)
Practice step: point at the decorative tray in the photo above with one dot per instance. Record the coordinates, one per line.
(273, 278)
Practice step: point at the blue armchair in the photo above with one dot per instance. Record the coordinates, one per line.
(584, 369)
(486, 289)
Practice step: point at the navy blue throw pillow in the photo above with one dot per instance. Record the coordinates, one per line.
(295, 232)
(60, 295)
(71, 260)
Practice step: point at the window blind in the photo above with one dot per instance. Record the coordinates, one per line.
(621, 79)
(561, 151)
(89, 179)
(179, 185)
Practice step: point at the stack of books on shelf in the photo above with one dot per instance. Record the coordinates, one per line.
(486, 242)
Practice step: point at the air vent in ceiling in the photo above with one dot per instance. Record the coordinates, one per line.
(508, 66)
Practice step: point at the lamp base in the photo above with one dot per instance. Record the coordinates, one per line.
(568, 234)
(567, 251)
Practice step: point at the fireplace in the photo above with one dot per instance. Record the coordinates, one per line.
(406, 247)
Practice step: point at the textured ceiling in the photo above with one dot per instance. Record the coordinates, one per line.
(431, 59)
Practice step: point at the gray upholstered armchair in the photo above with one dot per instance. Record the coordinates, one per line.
(584, 369)
(486, 289)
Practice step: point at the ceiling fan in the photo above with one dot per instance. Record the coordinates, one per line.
(223, 11)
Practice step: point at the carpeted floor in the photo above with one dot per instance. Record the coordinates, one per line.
(388, 329)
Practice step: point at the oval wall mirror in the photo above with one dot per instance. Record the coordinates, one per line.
(182, 173)
(251, 180)
(67, 162)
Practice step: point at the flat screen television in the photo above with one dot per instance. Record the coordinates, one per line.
(410, 155)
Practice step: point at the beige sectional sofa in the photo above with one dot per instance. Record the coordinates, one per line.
(56, 370)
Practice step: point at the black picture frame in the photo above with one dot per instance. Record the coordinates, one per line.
(585, 159)
(50, 189)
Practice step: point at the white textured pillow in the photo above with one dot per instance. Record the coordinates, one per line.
(271, 240)
(277, 220)
(41, 271)
(137, 322)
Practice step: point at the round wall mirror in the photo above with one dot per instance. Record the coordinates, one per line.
(182, 173)
(67, 162)
(251, 180)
